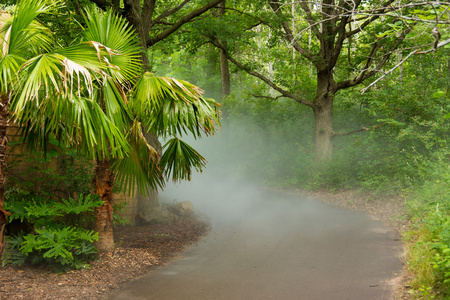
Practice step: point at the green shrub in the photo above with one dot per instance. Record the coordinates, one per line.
(429, 238)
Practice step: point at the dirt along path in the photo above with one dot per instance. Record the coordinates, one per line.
(271, 245)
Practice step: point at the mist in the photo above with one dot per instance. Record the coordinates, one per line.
(234, 187)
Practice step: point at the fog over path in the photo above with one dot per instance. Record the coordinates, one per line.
(269, 245)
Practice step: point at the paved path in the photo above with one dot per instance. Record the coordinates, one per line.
(275, 246)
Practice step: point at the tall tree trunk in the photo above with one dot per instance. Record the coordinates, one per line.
(224, 68)
(102, 185)
(225, 75)
(323, 115)
(4, 118)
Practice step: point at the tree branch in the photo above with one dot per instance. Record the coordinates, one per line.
(356, 130)
(147, 13)
(266, 97)
(183, 20)
(373, 16)
(417, 51)
(284, 93)
(365, 74)
(290, 37)
(388, 72)
(172, 11)
(304, 5)
(260, 21)
(105, 4)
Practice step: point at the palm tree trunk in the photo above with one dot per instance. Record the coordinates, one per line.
(4, 118)
(102, 185)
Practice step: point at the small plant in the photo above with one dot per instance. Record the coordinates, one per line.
(426, 292)
(117, 219)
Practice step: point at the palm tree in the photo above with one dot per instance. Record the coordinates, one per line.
(163, 106)
(80, 95)
(50, 90)
(133, 100)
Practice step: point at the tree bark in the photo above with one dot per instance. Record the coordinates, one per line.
(4, 119)
(225, 75)
(323, 115)
(102, 185)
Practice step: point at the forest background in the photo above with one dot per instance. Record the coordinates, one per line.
(389, 130)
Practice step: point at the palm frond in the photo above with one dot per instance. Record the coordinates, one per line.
(69, 72)
(140, 168)
(25, 32)
(173, 107)
(9, 67)
(76, 122)
(179, 159)
(115, 104)
(21, 36)
(112, 31)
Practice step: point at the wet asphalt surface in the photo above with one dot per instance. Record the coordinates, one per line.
(268, 245)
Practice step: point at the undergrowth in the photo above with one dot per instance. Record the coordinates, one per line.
(50, 216)
(55, 235)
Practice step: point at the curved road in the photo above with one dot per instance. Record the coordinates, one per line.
(267, 245)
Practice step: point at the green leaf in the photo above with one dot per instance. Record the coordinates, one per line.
(179, 159)
(438, 94)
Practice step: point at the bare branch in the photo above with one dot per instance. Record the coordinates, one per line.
(283, 92)
(172, 11)
(417, 51)
(183, 20)
(309, 18)
(267, 97)
(365, 74)
(290, 37)
(357, 130)
(388, 72)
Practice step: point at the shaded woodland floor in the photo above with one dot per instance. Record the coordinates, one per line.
(139, 250)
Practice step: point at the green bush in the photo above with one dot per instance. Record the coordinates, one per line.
(429, 237)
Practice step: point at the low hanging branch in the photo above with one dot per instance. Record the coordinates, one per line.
(357, 130)
(267, 97)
